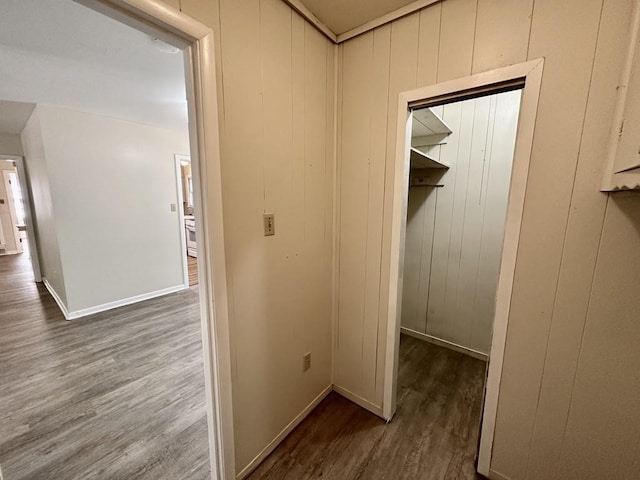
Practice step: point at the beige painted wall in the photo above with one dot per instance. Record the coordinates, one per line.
(568, 404)
(276, 95)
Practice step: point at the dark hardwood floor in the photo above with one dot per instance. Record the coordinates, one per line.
(118, 395)
(433, 435)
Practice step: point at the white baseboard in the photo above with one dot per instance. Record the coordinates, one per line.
(444, 343)
(10, 252)
(56, 297)
(358, 400)
(493, 475)
(246, 471)
(125, 301)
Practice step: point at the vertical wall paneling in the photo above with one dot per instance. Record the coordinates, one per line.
(403, 71)
(607, 384)
(276, 83)
(356, 130)
(502, 33)
(543, 419)
(428, 45)
(457, 32)
(376, 172)
(337, 218)
(240, 32)
(421, 212)
(568, 53)
(579, 255)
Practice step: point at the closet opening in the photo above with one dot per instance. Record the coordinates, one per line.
(463, 150)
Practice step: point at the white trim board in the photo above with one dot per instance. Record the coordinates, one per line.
(310, 17)
(358, 400)
(443, 343)
(246, 471)
(493, 475)
(56, 297)
(121, 303)
(384, 19)
(530, 73)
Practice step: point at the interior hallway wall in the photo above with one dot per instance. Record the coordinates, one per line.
(112, 183)
(10, 144)
(276, 81)
(42, 206)
(568, 401)
(454, 233)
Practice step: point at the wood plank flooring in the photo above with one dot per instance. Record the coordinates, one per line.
(192, 268)
(118, 395)
(433, 435)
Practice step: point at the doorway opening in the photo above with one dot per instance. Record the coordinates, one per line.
(12, 214)
(193, 422)
(462, 158)
(184, 177)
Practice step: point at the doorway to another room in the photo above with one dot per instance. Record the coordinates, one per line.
(110, 351)
(184, 175)
(461, 158)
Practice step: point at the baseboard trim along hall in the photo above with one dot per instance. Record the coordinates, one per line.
(56, 297)
(125, 301)
(493, 475)
(358, 400)
(444, 343)
(283, 434)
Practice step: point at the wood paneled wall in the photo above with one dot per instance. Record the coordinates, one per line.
(276, 81)
(570, 372)
(455, 233)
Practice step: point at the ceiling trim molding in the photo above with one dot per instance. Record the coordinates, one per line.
(312, 19)
(389, 17)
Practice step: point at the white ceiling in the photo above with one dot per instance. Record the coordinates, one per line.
(341, 16)
(61, 53)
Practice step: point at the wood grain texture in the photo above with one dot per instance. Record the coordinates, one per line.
(116, 395)
(433, 435)
(192, 267)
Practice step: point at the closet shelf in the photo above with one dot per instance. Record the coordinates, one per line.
(420, 159)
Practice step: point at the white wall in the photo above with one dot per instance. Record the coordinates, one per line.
(112, 183)
(568, 395)
(10, 144)
(455, 233)
(43, 206)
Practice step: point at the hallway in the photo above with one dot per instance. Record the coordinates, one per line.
(118, 395)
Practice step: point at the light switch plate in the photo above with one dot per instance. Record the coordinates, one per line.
(269, 220)
(306, 361)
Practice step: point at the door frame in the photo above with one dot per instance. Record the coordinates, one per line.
(28, 214)
(530, 74)
(170, 25)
